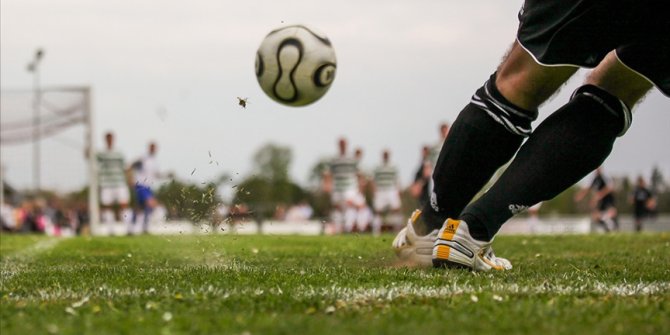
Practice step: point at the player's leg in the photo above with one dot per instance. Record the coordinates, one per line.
(363, 213)
(597, 218)
(638, 214)
(107, 214)
(363, 218)
(638, 225)
(564, 148)
(149, 207)
(123, 198)
(394, 217)
(568, 145)
(379, 207)
(485, 135)
(349, 219)
(611, 217)
(488, 132)
(350, 211)
(107, 208)
(336, 212)
(141, 198)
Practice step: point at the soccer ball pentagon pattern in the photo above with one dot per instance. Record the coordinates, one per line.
(295, 65)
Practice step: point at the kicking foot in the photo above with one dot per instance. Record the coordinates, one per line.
(455, 247)
(412, 248)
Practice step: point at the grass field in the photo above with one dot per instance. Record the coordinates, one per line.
(596, 284)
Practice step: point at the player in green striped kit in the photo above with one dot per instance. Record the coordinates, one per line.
(114, 194)
(341, 182)
(386, 200)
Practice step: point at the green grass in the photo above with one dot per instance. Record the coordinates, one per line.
(596, 284)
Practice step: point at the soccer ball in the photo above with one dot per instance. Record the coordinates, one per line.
(295, 65)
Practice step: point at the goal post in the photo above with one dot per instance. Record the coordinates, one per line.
(39, 117)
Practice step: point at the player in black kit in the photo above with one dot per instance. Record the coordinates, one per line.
(643, 202)
(627, 43)
(603, 204)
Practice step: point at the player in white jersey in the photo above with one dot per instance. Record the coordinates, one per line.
(340, 180)
(364, 214)
(114, 194)
(386, 199)
(145, 171)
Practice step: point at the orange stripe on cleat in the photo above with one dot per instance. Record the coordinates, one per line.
(442, 252)
(450, 228)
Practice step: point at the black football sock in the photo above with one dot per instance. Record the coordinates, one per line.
(486, 135)
(564, 148)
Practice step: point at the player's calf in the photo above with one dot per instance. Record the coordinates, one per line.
(486, 134)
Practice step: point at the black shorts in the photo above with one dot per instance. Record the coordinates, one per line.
(582, 32)
(606, 203)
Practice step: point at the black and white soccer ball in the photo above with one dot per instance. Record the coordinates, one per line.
(295, 65)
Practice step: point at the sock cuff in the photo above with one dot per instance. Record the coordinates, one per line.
(497, 96)
(610, 102)
(513, 118)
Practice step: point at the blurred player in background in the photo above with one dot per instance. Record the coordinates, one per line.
(145, 171)
(628, 45)
(603, 202)
(533, 217)
(420, 188)
(435, 149)
(114, 194)
(364, 213)
(340, 180)
(643, 202)
(386, 198)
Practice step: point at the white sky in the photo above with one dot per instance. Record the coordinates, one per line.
(403, 67)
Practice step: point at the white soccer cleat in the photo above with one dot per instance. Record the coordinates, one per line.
(456, 248)
(412, 248)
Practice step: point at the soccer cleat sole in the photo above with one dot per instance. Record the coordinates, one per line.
(447, 264)
(441, 258)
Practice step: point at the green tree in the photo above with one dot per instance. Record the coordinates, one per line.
(319, 200)
(270, 186)
(657, 183)
(272, 162)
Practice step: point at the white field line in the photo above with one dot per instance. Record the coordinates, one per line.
(355, 295)
(18, 261)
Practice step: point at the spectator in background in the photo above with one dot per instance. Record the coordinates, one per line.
(7, 217)
(29, 217)
(81, 217)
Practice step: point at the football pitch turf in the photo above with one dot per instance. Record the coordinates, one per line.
(587, 284)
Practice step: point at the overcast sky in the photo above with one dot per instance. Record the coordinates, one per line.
(170, 71)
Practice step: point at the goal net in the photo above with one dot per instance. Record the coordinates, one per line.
(46, 142)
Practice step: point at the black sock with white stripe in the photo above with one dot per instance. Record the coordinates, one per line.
(486, 134)
(515, 119)
(564, 148)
